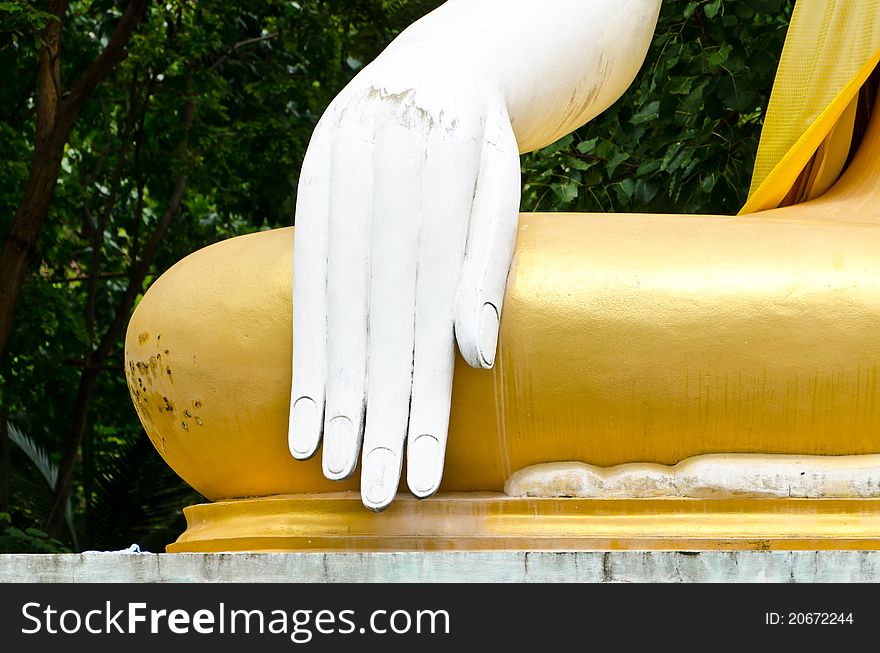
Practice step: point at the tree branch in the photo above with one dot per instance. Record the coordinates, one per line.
(48, 91)
(5, 455)
(55, 119)
(101, 275)
(92, 365)
(97, 239)
(113, 53)
(138, 171)
(241, 44)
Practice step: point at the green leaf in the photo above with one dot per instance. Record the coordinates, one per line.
(648, 167)
(720, 55)
(647, 113)
(576, 164)
(587, 146)
(615, 160)
(646, 190)
(712, 8)
(708, 183)
(566, 192)
(558, 146)
(680, 85)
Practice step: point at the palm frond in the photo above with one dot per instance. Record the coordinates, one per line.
(39, 458)
(137, 498)
(35, 453)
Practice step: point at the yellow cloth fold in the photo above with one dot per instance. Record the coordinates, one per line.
(831, 49)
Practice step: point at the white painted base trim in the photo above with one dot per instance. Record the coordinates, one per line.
(708, 476)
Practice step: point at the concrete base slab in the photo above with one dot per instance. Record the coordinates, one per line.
(421, 567)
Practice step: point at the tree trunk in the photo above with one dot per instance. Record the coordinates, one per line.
(96, 359)
(78, 420)
(55, 119)
(50, 138)
(26, 226)
(5, 499)
(89, 376)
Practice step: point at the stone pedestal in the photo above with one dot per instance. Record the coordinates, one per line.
(494, 566)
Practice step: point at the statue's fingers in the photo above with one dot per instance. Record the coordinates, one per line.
(447, 195)
(490, 243)
(309, 298)
(348, 262)
(399, 157)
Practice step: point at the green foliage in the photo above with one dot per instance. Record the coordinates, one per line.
(40, 463)
(31, 540)
(257, 75)
(135, 492)
(20, 19)
(683, 138)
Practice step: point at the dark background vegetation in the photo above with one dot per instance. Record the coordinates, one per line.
(133, 133)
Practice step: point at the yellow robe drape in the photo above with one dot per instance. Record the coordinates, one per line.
(830, 51)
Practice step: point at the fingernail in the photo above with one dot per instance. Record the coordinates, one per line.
(304, 437)
(422, 462)
(379, 478)
(340, 447)
(488, 333)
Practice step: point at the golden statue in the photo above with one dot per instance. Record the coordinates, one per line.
(660, 381)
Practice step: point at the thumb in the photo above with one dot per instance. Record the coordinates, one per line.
(490, 242)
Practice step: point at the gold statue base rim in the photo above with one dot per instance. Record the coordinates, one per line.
(337, 522)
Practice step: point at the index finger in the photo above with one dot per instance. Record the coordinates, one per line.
(310, 298)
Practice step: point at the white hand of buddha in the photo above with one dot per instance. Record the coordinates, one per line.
(407, 213)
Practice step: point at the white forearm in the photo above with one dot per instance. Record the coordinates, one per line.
(557, 63)
(407, 216)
